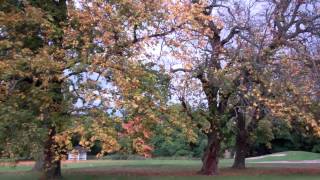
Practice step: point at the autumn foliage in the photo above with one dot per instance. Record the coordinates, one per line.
(103, 71)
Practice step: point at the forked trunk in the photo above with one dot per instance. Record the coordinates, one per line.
(210, 157)
(241, 144)
(52, 164)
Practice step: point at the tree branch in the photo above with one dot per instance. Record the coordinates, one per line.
(233, 31)
(180, 70)
(173, 29)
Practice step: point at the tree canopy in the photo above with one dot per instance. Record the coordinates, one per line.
(156, 77)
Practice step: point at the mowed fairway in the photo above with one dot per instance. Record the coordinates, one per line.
(179, 169)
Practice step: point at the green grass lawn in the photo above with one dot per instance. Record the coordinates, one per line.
(150, 163)
(97, 169)
(291, 156)
(98, 177)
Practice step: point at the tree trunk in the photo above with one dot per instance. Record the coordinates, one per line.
(54, 172)
(241, 143)
(52, 163)
(39, 165)
(210, 157)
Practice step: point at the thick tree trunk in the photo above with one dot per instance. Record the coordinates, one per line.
(52, 163)
(241, 143)
(54, 171)
(210, 157)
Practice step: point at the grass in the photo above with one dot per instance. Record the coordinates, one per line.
(166, 169)
(267, 177)
(98, 177)
(150, 163)
(14, 168)
(290, 156)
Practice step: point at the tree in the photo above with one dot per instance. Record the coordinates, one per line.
(227, 66)
(205, 65)
(271, 51)
(110, 38)
(91, 45)
(32, 61)
(240, 65)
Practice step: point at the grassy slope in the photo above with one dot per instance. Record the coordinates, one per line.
(291, 156)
